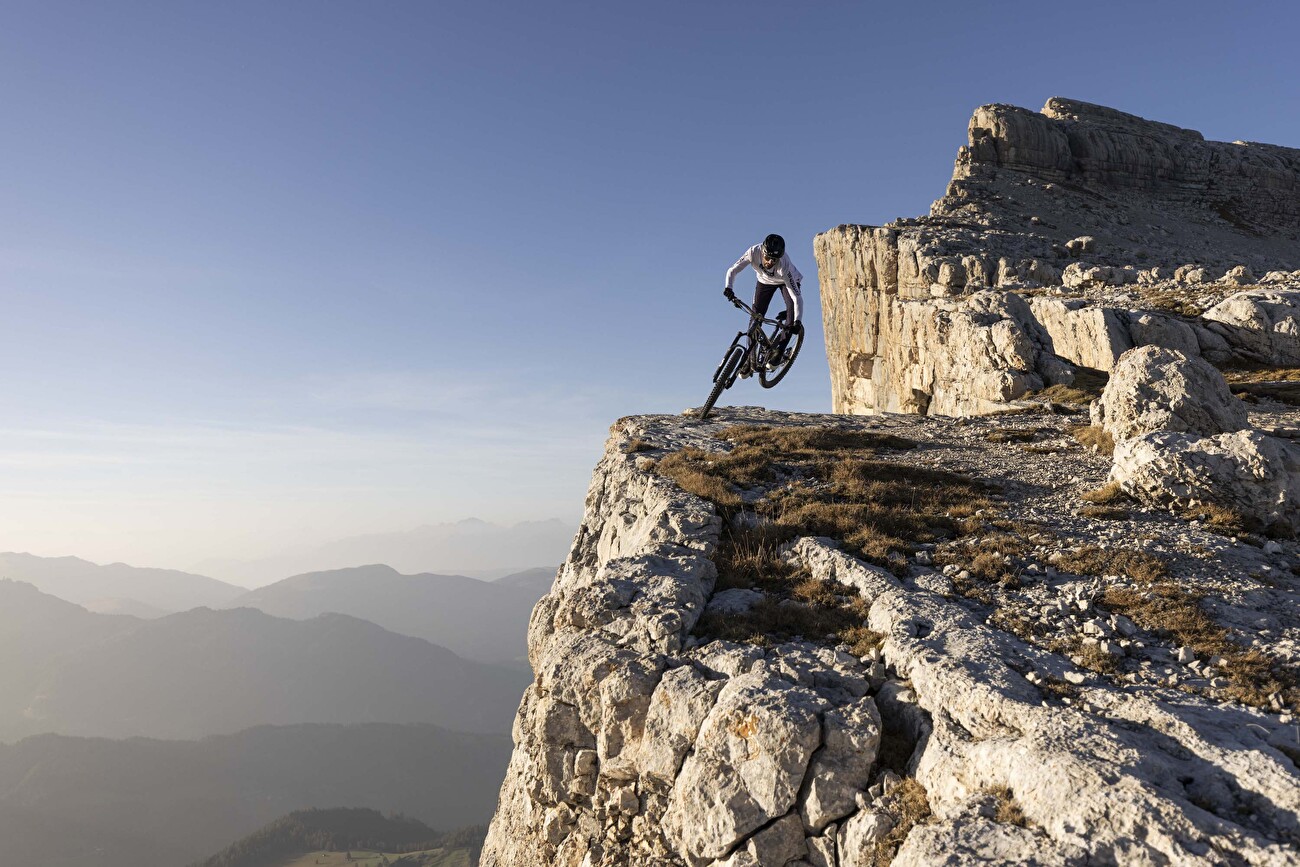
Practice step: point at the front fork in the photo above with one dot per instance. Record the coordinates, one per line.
(726, 355)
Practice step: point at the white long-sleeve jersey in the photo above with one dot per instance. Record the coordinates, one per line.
(783, 272)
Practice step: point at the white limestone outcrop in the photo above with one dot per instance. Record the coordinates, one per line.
(1255, 475)
(638, 745)
(1157, 389)
(1082, 203)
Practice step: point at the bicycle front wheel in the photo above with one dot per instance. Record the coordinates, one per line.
(723, 379)
(769, 378)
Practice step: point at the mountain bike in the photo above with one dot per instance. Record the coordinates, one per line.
(753, 351)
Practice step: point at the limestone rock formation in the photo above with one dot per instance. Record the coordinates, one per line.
(640, 743)
(1255, 475)
(1183, 440)
(1112, 227)
(1156, 389)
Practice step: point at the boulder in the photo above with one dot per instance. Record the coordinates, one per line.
(1261, 325)
(1079, 275)
(1157, 389)
(1239, 275)
(748, 765)
(842, 767)
(1255, 475)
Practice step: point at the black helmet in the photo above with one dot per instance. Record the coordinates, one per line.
(774, 246)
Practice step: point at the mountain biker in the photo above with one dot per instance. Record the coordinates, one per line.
(775, 271)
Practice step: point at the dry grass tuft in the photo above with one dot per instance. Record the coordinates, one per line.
(989, 559)
(1258, 374)
(1109, 494)
(1008, 812)
(1095, 659)
(909, 806)
(800, 441)
(861, 640)
(1223, 519)
(1108, 503)
(1087, 386)
(1095, 560)
(1055, 687)
(636, 445)
(1168, 610)
(1094, 437)
(1066, 394)
(1014, 435)
(786, 618)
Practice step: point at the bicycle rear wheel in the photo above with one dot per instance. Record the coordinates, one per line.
(767, 378)
(725, 376)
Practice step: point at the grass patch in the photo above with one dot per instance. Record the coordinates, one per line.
(1095, 659)
(1258, 374)
(1223, 519)
(1109, 494)
(1183, 299)
(790, 617)
(636, 445)
(1095, 560)
(1094, 438)
(1055, 687)
(909, 806)
(991, 560)
(797, 604)
(1107, 503)
(826, 482)
(838, 488)
(1087, 386)
(1170, 611)
(1007, 811)
(1014, 435)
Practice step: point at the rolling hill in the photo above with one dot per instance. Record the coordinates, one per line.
(86, 583)
(481, 620)
(121, 803)
(206, 672)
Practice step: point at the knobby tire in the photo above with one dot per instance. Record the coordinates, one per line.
(726, 376)
(766, 379)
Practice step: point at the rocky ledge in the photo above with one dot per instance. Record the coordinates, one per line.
(824, 640)
(1066, 237)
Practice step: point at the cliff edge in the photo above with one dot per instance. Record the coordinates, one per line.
(821, 640)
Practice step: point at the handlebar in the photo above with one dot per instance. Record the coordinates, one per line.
(741, 305)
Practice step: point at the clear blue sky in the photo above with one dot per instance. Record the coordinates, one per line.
(274, 273)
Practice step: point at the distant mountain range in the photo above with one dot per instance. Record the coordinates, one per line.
(470, 546)
(119, 586)
(478, 619)
(204, 672)
(481, 620)
(76, 801)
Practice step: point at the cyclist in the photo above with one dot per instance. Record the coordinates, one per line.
(775, 271)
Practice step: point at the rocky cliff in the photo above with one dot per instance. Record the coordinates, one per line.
(1065, 237)
(793, 640)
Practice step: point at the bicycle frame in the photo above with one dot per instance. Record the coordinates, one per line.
(756, 333)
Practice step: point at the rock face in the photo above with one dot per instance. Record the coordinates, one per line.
(1182, 440)
(640, 744)
(1255, 475)
(1156, 389)
(1101, 209)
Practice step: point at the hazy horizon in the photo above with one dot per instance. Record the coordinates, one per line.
(470, 547)
(283, 274)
